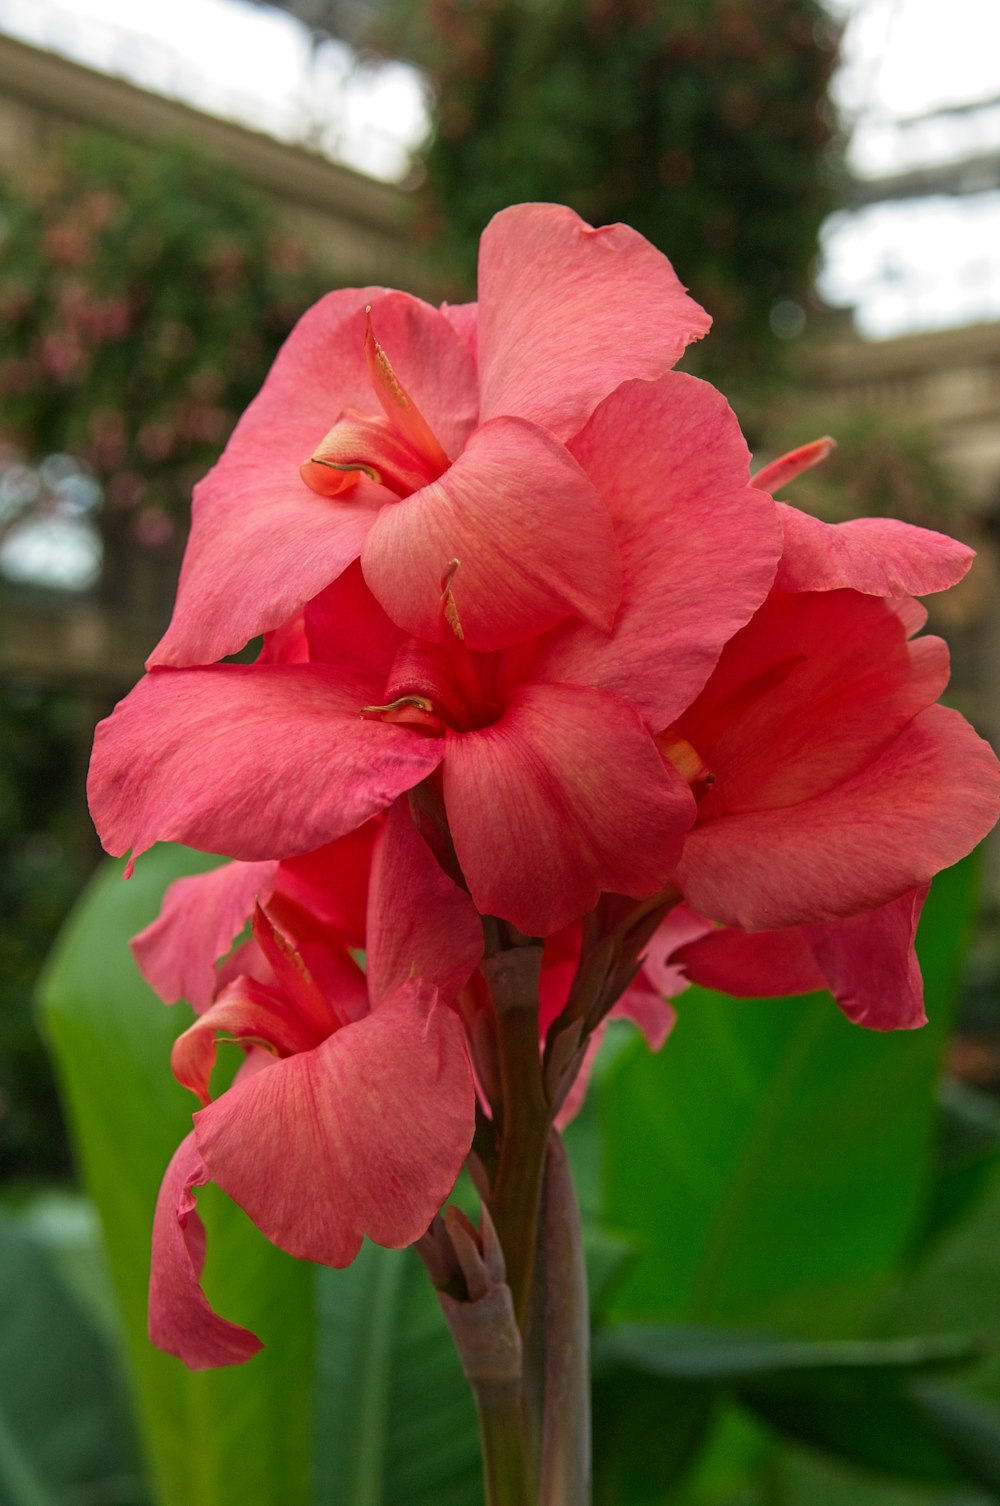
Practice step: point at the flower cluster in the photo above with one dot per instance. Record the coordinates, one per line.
(539, 661)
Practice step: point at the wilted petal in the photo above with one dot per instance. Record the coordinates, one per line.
(200, 919)
(567, 786)
(365, 1135)
(879, 556)
(420, 924)
(254, 761)
(532, 538)
(180, 1319)
(567, 312)
(919, 807)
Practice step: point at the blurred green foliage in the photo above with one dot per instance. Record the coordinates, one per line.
(705, 124)
(793, 1233)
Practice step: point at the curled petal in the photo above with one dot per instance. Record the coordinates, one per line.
(567, 312)
(365, 1135)
(255, 761)
(200, 919)
(567, 784)
(878, 556)
(180, 1319)
(532, 538)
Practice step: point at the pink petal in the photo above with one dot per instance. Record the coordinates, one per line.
(806, 695)
(255, 761)
(567, 312)
(180, 1319)
(262, 544)
(755, 965)
(660, 968)
(246, 1011)
(200, 919)
(922, 804)
(563, 797)
(871, 967)
(331, 884)
(647, 1009)
(363, 1136)
(699, 547)
(420, 924)
(533, 540)
(879, 556)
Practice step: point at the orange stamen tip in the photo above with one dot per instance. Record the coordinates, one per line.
(787, 467)
(449, 608)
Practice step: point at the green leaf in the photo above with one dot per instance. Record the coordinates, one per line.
(395, 1419)
(214, 1438)
(64, 1426)
(770, 1163)
(850, 1399)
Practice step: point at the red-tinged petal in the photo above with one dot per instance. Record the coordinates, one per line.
(346, 627)
(246, 1011)
(780, 472)
(647, 1009)
(753, 965)
(699, 548)
(464, 320)
(564, 797)
(200, 919)
(363, 1136)
(808, 693)
(262, 543)
(917, 808)
(331, 884)
(180, 1319)
(254, 761)
(870, 965)
(660, 968)
(566, 313)
(532, 538)
(879, 556)
(420, 924)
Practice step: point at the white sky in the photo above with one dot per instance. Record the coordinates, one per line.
(903, 266)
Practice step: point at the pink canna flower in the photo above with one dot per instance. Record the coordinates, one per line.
(547, 763)
(366, 1078)
(414, 436)
(829, 784)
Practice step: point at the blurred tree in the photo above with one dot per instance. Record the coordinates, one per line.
(703, 123)
(143, 295)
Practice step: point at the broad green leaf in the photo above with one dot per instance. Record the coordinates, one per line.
(848, 1398)
(956, 1289)
(967, 1154)
(771, 1162)
(395, 1420)
(236, 1436)
(65, 1434)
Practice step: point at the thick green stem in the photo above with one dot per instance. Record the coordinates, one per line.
(524, 1118)
(508, 1469)
(566, 1442)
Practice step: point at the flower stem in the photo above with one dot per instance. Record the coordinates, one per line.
(508, 1471)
